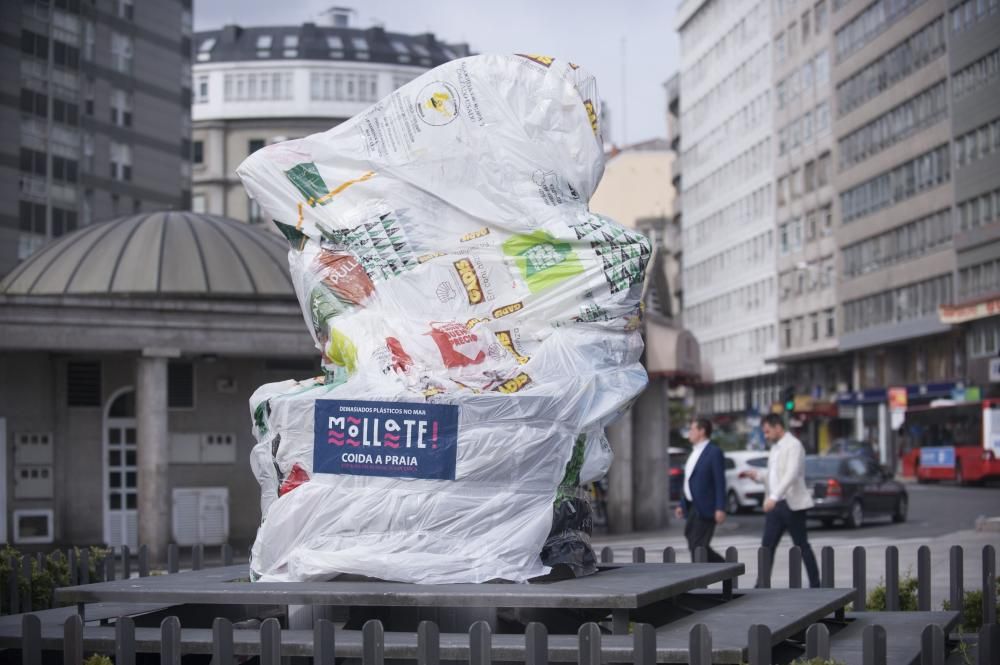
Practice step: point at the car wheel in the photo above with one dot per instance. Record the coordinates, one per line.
(733, 503)
(899, 515)
(856, 517)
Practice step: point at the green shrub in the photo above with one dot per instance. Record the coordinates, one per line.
(98, 659)
(876, 601)
(45, 578)
(972, 610)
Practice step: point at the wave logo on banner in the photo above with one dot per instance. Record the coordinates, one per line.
(393, 439)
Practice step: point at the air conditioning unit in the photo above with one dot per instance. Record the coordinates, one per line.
(200, 515)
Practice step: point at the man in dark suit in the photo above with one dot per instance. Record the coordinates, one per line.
(703, 501)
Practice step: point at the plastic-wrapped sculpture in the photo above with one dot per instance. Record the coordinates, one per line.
(477, 324)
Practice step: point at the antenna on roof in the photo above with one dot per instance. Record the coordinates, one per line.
(340, 17)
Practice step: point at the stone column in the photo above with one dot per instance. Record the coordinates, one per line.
(152, 452)
(650, 476)
(619, 502)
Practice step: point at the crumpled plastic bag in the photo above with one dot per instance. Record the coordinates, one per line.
(478, 327)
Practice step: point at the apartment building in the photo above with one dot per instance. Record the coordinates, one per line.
(263, 84)
(895, 187)
(729, 236)
(974, 64)
(94, 115)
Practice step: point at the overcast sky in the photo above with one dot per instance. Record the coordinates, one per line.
(589, 32)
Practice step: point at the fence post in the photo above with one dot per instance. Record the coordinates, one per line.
(759, 645)
(763, 568)
(324, 643)
(607, 555)
(818, 642)
(372, 643)
(124, 641)
(428, 643)
(26, 573)
(227, 554)
(932, 645)
(222, 641)
(873, 645)
(588, 644)
(170, 641)
(270, 642)
(795, 567)
(109, 567)
(13, 584)
(989, 644)
(956, 565)
(73, 640)
(860, 575)
(699, 645)
(700, 554)
(480, 644)
(84, 566)
(989, 585)
(197, 556)
(31, 640)
(143, 561)
(536, 645)
(638, 555)
(74, 567)
(126, 562)
(173, 563)
(643, 644)
(669, 555)
(892, 578)
(924, 578)
(827, 563)
(733, 556)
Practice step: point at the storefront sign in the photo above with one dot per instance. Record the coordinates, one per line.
(953, 314)
(897, 399)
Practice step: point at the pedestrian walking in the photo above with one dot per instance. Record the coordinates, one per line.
(787, 497)
(703, 501)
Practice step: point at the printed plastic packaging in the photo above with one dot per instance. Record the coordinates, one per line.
(477, 325)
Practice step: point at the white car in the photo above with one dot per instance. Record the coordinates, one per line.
(742, 491)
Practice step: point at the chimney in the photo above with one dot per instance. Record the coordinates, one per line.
(340, 17)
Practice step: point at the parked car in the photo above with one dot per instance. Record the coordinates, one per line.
(853, 447)
(678, 458)
(853, 488)
(742, 491)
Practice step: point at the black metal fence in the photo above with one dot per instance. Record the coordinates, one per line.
(591, 646)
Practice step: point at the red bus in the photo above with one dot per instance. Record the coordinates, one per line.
(951, 441)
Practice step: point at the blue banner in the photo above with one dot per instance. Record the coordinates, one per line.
(393, 439)
(943, 457)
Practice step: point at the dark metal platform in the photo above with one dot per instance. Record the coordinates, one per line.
(611, 588)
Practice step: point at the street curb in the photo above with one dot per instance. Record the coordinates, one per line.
(984, 523)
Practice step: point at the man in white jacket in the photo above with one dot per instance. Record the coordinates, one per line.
(788, 498)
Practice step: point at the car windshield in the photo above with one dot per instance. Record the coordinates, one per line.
(822, 466)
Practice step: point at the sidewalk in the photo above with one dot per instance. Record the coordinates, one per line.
(746, 544)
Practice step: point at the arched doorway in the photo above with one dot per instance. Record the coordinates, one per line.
(121, 515)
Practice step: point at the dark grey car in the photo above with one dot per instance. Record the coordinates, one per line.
(853, 488)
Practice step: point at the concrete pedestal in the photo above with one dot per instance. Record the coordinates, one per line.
(619, 501)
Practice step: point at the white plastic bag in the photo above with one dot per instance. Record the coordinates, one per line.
(477, 325)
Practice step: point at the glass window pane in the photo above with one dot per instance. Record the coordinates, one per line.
(114, 458)
(130, 501)
(114, 435)
(115, 479)
(130, 458)
(130, 435)
(116, 501)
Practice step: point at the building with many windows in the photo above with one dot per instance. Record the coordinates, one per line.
(258, 85)
(94, 115)
(729, 236)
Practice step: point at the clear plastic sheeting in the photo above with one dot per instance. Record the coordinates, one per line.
(477, 324)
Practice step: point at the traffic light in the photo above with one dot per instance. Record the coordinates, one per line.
(788, 397)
